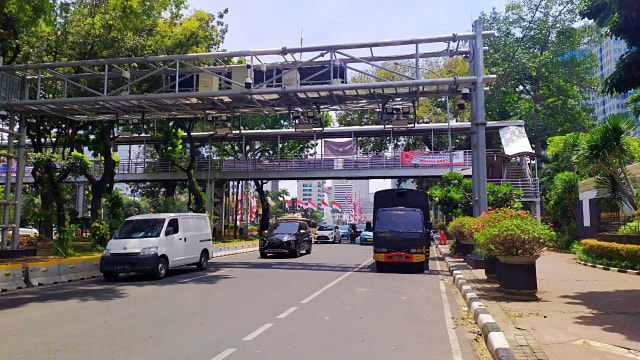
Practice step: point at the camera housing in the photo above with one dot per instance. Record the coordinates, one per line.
(461, 104)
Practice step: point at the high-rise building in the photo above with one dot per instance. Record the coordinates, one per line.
(311, 190)
(357, 188)
(608, 53)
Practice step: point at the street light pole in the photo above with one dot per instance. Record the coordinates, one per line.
(449, 132)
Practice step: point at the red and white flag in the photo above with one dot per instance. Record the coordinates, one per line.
(301, 204)
(312, 205)
(336, 206)
(353, 209)
(324, 204)
(253, 207)
(288, 203)
(361, 215)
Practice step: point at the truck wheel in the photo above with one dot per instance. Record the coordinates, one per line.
(110, 276)
(204, 261)
(263, 254)
(161, 269)
(381, 267)
(419, 267)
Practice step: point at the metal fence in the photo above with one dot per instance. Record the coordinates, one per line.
(530, 187)
(613, 224)
(360, 162)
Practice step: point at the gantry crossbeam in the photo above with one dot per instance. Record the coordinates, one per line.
(193, 85)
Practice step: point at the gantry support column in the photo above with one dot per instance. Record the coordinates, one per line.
(478, 124)
(215, 205)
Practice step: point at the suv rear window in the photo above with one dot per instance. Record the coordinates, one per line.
(284, 228)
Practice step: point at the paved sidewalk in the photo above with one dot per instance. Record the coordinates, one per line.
(582, 313)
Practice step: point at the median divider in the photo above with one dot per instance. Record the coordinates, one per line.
(43, 273)
(234, 248)
(65, 270)
(11, 277)
(90, 267)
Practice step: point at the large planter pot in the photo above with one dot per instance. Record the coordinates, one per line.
(464, 247)
(490, 268)
(517, 277)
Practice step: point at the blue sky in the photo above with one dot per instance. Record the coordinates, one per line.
(273, 24)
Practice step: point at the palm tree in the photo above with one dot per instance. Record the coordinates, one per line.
(608, 148)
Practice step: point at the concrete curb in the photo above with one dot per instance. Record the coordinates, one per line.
(606, 268)
(493, 337)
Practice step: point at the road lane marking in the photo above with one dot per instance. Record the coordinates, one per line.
(224, 354)
(203, 276)
(257, 332)
(289, 311)
(453, 337)
(310, 297)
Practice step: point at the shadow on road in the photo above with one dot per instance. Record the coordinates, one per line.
(286, 263)
(616, 311)
(99, 290)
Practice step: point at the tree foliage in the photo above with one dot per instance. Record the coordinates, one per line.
(620, 18)
(544, 71)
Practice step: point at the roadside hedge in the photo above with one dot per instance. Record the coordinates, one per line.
(611, 254)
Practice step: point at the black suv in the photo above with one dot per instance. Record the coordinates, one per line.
(287, 237)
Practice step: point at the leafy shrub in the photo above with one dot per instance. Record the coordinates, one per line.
(611, 254)
(99, 234)
(441, 225)
(632, 228)
(514, 237)
(565, 241)
(493, 217)
(64, 241)
(453, 247)
(458, 227)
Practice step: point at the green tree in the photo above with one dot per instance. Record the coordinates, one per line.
(543, 72)
(608, 148)
(21, 24)
(620, 18)
(563, 199)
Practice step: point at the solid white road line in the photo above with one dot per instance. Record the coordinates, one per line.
(289, 311)
(453, 337)
(203, 276)
(224, 354)
(257, 332)
(310, 297)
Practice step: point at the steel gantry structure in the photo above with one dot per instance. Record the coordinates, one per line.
(218, 87)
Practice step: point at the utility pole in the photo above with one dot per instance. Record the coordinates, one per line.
(449, 131)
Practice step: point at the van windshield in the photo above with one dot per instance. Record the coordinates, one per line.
(141, 228)
(399, 220)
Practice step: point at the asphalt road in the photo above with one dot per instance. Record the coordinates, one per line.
(330, 304)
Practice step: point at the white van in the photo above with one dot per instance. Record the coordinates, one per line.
(154, 243)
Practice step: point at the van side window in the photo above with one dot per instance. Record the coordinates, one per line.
(173, 224)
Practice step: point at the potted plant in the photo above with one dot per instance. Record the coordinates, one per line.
(482, 223)
(458, 229)
(517, 243)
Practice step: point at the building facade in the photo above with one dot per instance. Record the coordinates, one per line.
(608, 53)
(311, 190)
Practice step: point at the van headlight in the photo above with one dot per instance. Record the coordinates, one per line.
(149, 250)
(106, 252)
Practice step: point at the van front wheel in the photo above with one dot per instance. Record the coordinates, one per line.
(204, 261)
(161, 269)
